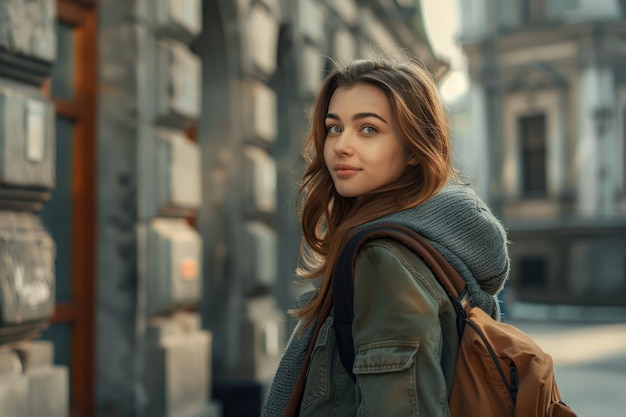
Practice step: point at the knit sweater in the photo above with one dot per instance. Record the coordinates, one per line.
(462, 228)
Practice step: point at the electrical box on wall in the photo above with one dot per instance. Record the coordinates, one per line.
(170, 169)
(27, 140)
(27, 282)
(178, 171)
(28, 39)
(14, 385)
(259, 181)
(179, 19)
(178, 380)
(260, 34)
(262, 328)
(260, 106)
(260, 258)
(172, 257)
(178, 85)
(310, 70)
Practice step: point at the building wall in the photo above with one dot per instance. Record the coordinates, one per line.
(469, 139)
(559, 60)
(264, 61)
(153, 355)
(30, 384)
(185, 235)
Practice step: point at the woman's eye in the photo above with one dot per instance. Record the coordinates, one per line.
(333, 129)
(369, 130)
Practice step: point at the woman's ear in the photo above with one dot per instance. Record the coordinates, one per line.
(412, 161)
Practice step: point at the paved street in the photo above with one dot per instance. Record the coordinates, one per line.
(590, 363)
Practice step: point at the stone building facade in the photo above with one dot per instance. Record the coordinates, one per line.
(149, 153)
(549, 107)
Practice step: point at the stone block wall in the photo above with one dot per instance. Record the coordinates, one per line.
(197, 239)
(29, 383)
(153, 357)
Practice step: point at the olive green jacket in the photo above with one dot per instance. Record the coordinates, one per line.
(405, 342)
(405, 327)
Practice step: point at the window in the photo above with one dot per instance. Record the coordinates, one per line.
(532, 131)
(532, 11)
(533, 272)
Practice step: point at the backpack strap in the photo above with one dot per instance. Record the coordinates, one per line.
(343, 281)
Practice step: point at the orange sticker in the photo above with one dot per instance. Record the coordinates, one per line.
(189, 269)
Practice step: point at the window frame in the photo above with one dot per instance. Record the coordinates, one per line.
(532, 154)
(79, 313)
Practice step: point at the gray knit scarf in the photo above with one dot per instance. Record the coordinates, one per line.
(462, 228)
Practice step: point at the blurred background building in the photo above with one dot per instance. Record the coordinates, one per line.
(542, 130)
(150, 150)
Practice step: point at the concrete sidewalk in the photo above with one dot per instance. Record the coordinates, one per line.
(590, 363)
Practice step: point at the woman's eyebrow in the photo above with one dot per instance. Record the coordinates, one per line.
(364, 115)
(357, 116)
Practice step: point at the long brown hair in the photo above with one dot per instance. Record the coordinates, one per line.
(326, 217)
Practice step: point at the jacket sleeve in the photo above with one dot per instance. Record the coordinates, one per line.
(397, 334)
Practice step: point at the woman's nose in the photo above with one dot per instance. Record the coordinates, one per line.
(344, 144)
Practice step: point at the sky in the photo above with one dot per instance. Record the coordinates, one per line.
(442, 25)
(441, 19)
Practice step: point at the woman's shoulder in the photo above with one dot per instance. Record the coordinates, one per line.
(383, 251)
(390, 260)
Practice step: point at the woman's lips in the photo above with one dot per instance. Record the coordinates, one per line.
(345, 171)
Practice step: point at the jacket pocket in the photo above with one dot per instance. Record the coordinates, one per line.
(318, 374)
(387, 356)
(386, 378)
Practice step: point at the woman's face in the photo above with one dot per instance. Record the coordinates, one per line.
(362, 151)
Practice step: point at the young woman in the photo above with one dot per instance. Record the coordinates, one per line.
(379, 151)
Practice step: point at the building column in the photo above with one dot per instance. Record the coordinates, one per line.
(154, 358)
(237, 129)
(596, 143)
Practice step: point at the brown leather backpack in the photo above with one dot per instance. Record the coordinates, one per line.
(499, 372)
